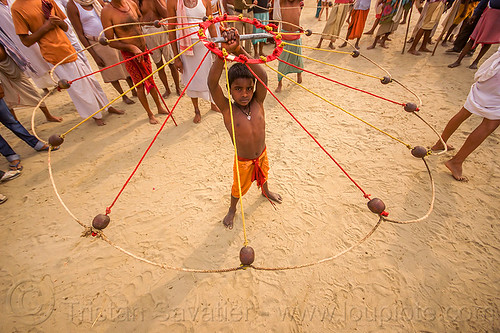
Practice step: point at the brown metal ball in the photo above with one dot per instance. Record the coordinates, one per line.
(63, 84)
(419, 151)
(308, 32)
(103, 41)
(55, 140)
(386, 80)
(411, 107)
(101, 221)
(157, 24)
(376, 205)
(355, 53)
(247, 255)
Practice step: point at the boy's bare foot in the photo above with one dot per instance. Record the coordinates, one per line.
(178, 90)
(318, 46)
(409, 41)
(414, 52)
(197, 117)
(53, 119)
(115, 111)
(439, 146)
(278, 88)
(368, 33)
(383, 45)
(371, 47)
(444, 43)
(331, 46)
(162, 111)
(455, 64)
(99, 122)
(153, 120)
(424, 49)
(229, 219)
(473, 66)
(299, 77)
(273, 196)
(166, 93)
(127, 100)
(456, 171)
(343, 45)
(134, 93)
(357, 46)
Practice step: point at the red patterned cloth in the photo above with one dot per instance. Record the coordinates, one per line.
(139, 70)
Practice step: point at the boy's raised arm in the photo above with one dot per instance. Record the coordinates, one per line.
(215, 89)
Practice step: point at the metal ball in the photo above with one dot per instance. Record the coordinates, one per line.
(419, 151)
(411, 107)
(386, 80)
(247, 255)
(355, 53)
(205, 18)
(157, 24)
(55, 140)
(63, 84)
(101, 221)
(376, 205)
(308, 32)
(103, 41)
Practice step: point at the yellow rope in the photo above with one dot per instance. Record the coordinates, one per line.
(121, 95)
(342, 109)
(315, 48)
(152, 34)
(224, 52)
(328, 64)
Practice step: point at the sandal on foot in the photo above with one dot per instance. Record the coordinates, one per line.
(3, 198)
(46, 148)
(9, 175)
(15, 167)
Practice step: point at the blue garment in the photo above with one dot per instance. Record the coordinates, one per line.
(495, 4)
(8, 120)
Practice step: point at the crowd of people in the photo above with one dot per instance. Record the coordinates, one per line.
(38, 35)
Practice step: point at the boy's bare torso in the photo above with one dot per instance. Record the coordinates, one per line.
(290, 12)
(126, 13)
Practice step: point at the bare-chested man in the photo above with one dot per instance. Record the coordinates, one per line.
(126, 11)
(290, 13)
(153, 10)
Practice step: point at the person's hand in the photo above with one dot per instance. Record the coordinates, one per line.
(232, 40)
(255, 2)
(47, 26)
(55, 20)
(135, 51)
(178, 65)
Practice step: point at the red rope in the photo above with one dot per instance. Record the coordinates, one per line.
(343, 84)
(123, 61)
(108, 209)
(317, 142)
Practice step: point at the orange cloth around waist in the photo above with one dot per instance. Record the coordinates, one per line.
(250, 170)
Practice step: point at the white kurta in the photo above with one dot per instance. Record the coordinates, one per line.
(484, 95)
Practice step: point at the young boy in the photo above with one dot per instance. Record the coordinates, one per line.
(249, 121)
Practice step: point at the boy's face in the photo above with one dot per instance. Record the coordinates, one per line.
(242, 90)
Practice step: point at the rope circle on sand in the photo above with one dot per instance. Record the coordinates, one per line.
(247, 254)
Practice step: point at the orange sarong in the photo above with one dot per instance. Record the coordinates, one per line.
(357, 23)
(250, 170)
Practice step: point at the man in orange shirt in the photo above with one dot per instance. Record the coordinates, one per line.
(42, 22)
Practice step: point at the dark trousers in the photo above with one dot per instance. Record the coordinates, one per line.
(464, 34)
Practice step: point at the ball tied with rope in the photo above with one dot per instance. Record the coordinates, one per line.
(63, 84)
(103, 41)
(420, 152)
(355, 54)
(411, 107)
(308, 32)
(376, 206)
(386, 80)
(247, 255)
(55, 140)
(157, 24)
(101, 221)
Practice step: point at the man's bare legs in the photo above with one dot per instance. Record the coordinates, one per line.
(299, 77)
(130, 85)
(197, 113)
(377, 38)
(474, 139)
(423, 47)
(372, 30)
(484, 49)
(163, 78)
(118, 87)
(319, 43)
(175, 75)
(280, 86)
(141, 94)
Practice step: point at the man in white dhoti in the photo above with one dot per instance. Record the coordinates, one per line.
(484, 101)
(192, 11)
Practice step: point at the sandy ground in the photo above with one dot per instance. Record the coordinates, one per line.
(440, 275)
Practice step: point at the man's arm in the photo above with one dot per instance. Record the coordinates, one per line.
(172, 13)
(30, 39)
(161, 8)
(211, 28)
(110, 33)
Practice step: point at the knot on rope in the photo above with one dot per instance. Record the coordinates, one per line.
(243, 58)
(108, 210)
(89, 231)
(210, 18)
(273, 26)
(224, 53)
(384, 214)
(367, 196)
(278, 36)
(240, 16)
(211, 45)
(263, 58)
(201, 33)
(268, 28)
(255, 21)
(225, 16)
